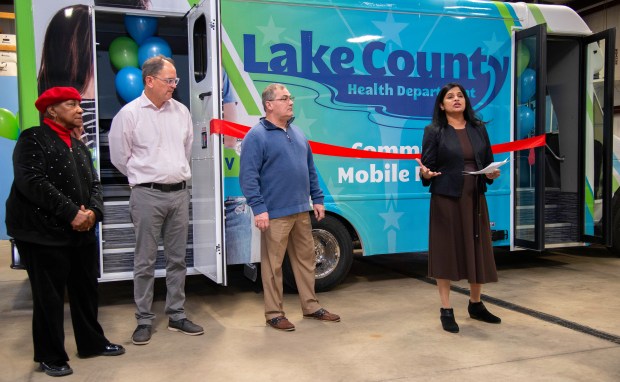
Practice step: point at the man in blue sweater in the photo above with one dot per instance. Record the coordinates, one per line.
(278, 179)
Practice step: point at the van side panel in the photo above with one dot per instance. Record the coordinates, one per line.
(367, 78)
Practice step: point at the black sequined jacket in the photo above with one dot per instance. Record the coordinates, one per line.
(51, 182)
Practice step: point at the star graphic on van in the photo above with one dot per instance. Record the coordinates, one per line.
(332, 188)
(493, 45)
(390, 29)
(271, 33)
(302, 120)
(391, 218)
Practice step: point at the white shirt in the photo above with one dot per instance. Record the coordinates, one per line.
(148, 144)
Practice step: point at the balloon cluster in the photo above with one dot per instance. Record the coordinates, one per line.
(9, 127)
(526, 88)
(128, 54)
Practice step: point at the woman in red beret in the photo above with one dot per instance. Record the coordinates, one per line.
(52, 210)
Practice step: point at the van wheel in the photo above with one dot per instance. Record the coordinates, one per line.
(333, 251)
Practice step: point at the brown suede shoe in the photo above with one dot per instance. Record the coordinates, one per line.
(281, 323)
(323, 315)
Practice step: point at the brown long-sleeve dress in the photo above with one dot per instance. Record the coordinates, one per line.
(460, 244)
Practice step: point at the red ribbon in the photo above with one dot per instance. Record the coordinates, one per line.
(219, 126)
(236, 130)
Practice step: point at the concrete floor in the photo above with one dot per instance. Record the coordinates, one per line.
(560, 323)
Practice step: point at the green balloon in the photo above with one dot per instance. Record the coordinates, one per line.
(8, 125)
(123, 52)
(523, 58)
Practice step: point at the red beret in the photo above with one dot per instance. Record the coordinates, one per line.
(55, 95)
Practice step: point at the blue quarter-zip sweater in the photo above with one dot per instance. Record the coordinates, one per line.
(277, 173)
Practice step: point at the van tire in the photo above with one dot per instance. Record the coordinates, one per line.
(333, 249)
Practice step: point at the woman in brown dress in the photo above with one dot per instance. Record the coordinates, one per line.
(459, 235)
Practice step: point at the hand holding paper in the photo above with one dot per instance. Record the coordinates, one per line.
(488, 169)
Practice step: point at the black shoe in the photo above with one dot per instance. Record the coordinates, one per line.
(109, 350)
(55, 369)
(479, 312)
(447, 320)
(112, 349)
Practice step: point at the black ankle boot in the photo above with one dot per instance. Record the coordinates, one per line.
(479, 312)
(447, 320)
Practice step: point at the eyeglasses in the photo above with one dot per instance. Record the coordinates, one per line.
(285, 99)
(169, 81)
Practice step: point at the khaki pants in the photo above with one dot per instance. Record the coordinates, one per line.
(291, 233)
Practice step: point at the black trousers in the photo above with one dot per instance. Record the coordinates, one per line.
(51, 270)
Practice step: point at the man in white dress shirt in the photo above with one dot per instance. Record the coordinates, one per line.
(150, 142)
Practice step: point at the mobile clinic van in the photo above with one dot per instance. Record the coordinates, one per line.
(365, 76)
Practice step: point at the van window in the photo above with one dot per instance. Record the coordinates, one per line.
(200, 48)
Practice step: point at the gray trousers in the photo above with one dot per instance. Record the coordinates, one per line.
(156, 213)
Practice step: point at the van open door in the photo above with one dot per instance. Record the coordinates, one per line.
(205, 104)
(529, 120)
(595, 151)
(563, 89)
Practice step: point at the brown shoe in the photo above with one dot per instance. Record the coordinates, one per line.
(323, 315)
(281, 323)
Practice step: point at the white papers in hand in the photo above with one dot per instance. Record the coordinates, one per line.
(488, 169)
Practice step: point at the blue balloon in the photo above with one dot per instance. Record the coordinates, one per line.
(128, 83)
(140, 27)
(526, 119)
(152, 47)
(527, 87)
